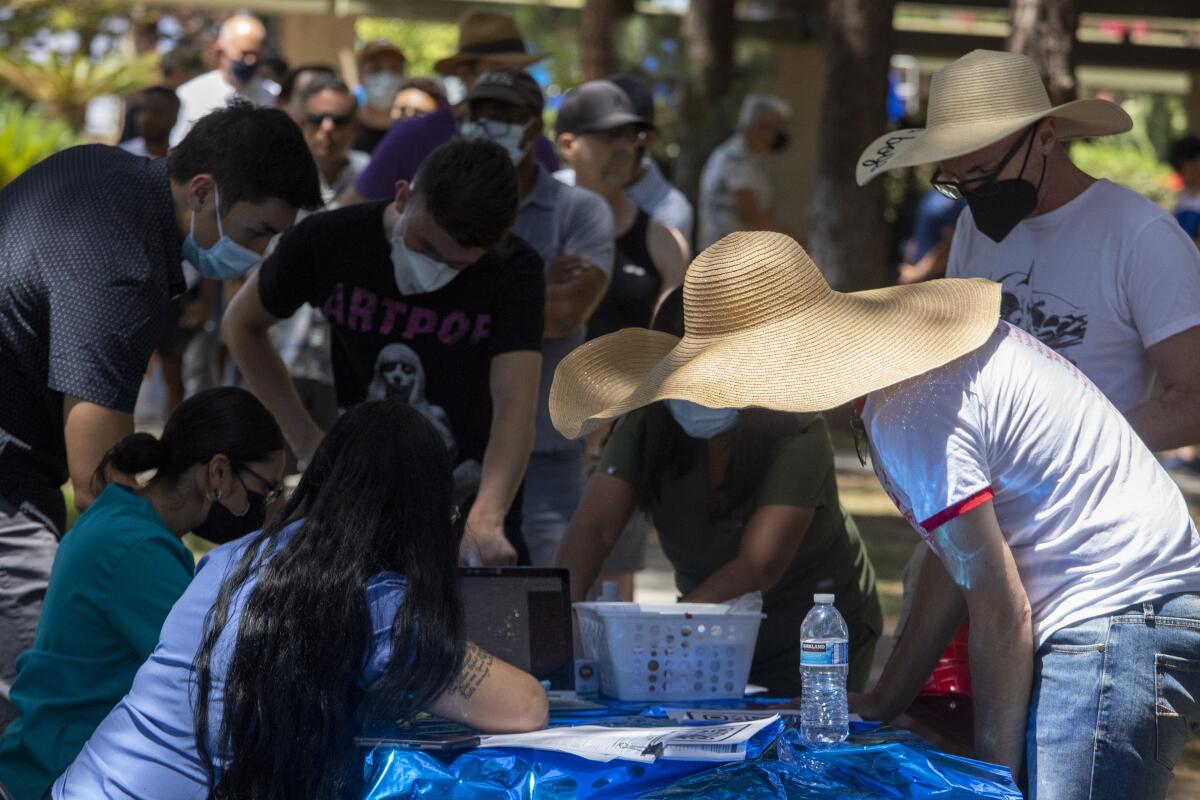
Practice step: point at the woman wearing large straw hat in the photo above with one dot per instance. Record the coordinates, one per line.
(742, 502)
(1092, 269)
(1053, 524)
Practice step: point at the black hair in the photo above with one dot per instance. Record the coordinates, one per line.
(181, 57)
(376, 498)
(161, 92)
(666, 451)
(327, 83)
(430, 86)
(288, 86)
(470, 188)
(253, 153)
(1182, 151)
(224, 420)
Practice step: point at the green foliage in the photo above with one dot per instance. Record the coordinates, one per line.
(422, 43)
(1122, 162)
(1134, 159)
(62, 85)
(26, 138)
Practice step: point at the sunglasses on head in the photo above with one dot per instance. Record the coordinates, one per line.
(339, 120)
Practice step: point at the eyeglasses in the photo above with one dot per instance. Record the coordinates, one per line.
(955, 190)
(273, 492)
(339, 120)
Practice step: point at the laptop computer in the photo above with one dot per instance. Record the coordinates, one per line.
(523, 616)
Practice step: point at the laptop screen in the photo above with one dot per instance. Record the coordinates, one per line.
(522, 615)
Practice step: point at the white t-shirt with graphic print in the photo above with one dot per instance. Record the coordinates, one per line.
(1094, 523)
(1100, 280)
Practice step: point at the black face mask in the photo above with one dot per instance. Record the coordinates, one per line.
(780, 142)
(998, 206)
(242, 70)
(222, 525)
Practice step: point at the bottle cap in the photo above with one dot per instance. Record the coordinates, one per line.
(823, 599)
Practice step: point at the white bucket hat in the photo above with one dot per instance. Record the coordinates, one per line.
(978, 100)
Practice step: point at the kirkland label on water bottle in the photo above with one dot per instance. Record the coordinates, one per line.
(819, 653)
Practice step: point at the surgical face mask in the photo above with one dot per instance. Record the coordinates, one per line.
(242, 70)
(999, 206)
(224, 260)
(381, 89)
(222, 525)
(702, 422)
(416, 273)
(506, 134)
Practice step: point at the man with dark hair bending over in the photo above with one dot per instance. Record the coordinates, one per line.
(431, 300)
(91, 246)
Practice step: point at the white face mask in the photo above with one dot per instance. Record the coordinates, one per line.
(506, 134)
(416, 273)
(702, 422)
(382, 88)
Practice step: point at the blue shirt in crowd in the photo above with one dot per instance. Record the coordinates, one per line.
(146, 747)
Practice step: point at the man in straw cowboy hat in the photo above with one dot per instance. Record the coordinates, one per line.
(1092, 269)
(486, 41)
(1053, 524)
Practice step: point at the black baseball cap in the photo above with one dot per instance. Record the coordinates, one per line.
(514, 86)
(639, 95)
(594, 107)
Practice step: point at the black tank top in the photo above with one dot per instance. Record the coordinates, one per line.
(634, 287)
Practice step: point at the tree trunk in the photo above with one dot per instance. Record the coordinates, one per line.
(1044, 30)
(597, 36)
(709, 36)
(848, 236)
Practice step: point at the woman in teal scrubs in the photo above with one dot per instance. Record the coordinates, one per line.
(218, 465)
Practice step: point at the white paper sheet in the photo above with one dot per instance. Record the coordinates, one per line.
(726, 742)
(719, 715)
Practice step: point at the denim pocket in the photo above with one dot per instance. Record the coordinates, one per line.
(1176, 688)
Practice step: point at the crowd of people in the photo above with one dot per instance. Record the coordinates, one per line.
(480, 342)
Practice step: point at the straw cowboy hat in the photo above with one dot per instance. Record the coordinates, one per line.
(978, 100)
(486, 34)
(764, 329)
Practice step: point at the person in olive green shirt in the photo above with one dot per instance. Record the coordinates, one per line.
(743, 501)
(122, 566)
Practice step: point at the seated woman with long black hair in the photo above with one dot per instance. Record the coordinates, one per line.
(743, 501)
(122, 567)
(342, 613)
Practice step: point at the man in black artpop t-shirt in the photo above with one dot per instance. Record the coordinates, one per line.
(428, 298)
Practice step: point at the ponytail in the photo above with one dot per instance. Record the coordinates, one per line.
(224, 420)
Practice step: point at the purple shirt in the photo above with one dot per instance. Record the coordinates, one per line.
(405, 146)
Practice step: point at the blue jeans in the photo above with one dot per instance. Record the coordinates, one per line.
(1114, 701)
(553, 486)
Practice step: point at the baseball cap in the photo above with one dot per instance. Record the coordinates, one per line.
(508, 86)
(639, 95)
(596, 106)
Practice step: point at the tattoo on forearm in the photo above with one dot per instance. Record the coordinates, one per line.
(476, 666)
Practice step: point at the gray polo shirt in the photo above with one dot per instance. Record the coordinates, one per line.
(89, 258)
(729, 169)
(554, 219)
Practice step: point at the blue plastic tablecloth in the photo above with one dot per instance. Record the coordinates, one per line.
(873, 763)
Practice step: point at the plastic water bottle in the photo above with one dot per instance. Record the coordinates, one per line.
(824, 664)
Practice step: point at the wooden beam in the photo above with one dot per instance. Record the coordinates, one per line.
(1089, 53)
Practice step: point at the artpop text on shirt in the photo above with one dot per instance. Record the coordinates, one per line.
(363, 311)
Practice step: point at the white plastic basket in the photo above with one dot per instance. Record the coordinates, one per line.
(669, 651)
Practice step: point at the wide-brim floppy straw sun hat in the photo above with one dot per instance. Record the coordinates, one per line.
(491, 36)
(978, 100)
(764, 329)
